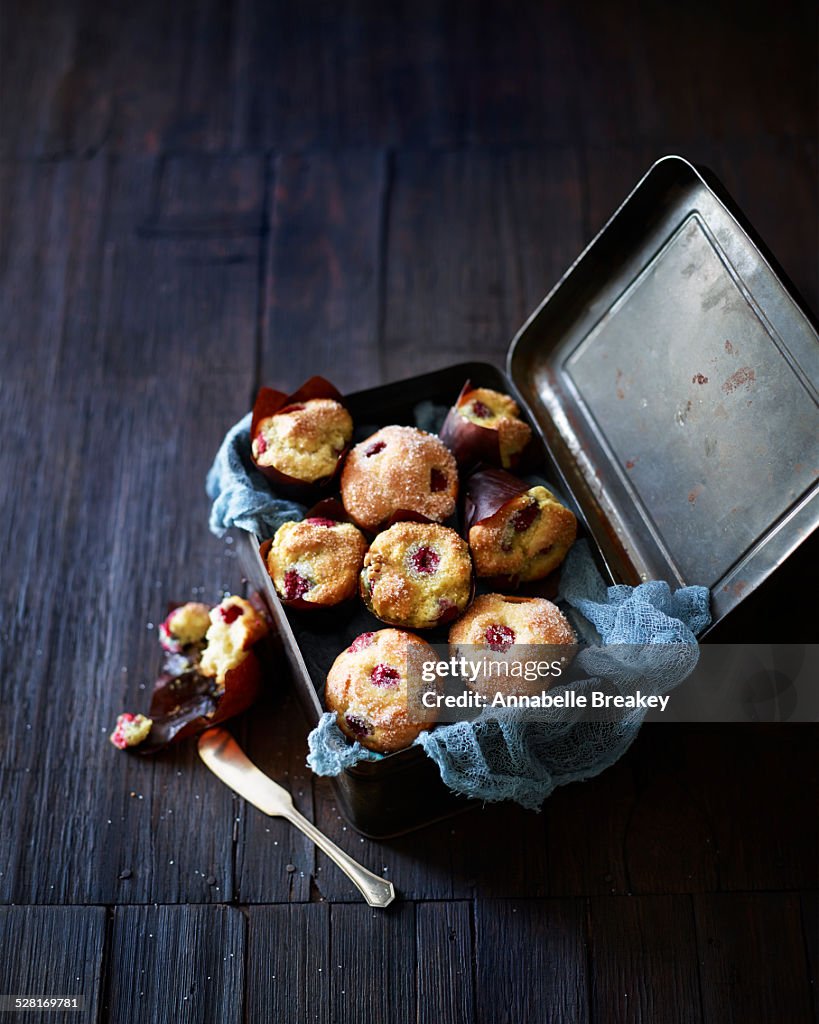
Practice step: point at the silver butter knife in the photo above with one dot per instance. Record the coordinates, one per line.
(226, 759)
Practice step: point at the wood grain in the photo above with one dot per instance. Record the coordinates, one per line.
(643, 959)
(519, 212)
(162, 820)
(372, 964)
(199, 197)
(180, 964)
(322, 284)
(444, 962)
(52, 951)
(289, 963)
(273, 861)
(738, 938)
(530, 959)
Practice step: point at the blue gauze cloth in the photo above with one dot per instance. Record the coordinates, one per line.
(240, 493)
(505, 755)
(502, 754)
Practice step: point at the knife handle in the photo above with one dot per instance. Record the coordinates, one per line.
(378, 892)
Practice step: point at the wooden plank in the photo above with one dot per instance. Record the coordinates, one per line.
(451, 859)
(670, 844)
(53, 217)
(52, 951)
(179, 964)
(289, 963)
(372, 966)
(530, 961)
(274, 862)
(444, 959)
(475, 241)
(681, 80)
(764, 822)
(498, 834)
(403, 75)
(215, 195)
(773, 181)
(810, 929)
(752, 958)
(643, 955)
(39, 70)
(583, 860)
(322, 282)
(390, 859)
(164, 825)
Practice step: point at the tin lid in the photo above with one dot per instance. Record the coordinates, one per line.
(675, 376)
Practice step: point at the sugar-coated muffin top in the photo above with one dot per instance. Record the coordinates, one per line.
(235, 626)
(527, 538)
(417, 575)
(316, 560)
(496, 411)
(399, 469)
(305, 440)
(367, 688)
(496, 622)
(130, 730)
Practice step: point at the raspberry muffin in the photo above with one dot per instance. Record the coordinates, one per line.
(399, 471)
(316, 562)
(210, 673)
(485, 425)
(304, 440)
(417, 575)
(367, 688)
(525, 539)
(503, 629)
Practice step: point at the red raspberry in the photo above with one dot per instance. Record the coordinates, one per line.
(375, 448)
(479, 409)
(524, 517)
(425, 561)
(321, 521)
(499, 638)
(295, 585)
(385, 675)
(361, 641)
(231, 613)
(358, 726)
(261, 444)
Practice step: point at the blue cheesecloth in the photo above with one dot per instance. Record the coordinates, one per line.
(641, 638)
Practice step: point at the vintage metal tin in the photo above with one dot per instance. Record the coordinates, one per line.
(675, 377)
(403, 790)
(672, 376)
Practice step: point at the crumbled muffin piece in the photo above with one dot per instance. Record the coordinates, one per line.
(130, 730)
(184, 626)
(235, 626)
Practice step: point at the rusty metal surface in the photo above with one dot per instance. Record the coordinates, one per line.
(675, 378)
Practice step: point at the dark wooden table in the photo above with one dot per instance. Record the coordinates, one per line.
(201, 196)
